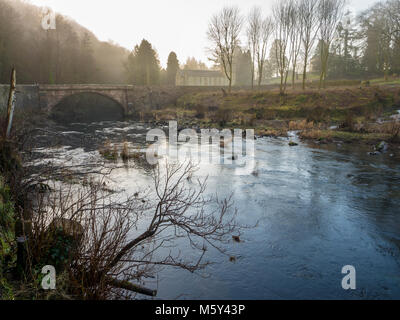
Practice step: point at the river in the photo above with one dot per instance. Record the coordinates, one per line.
(319, 208)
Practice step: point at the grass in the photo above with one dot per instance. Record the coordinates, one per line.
(296, 104)
(270, 132)
(354, 109)
(108, 151)
(301, 125)
(127, 155)
(390, 81)
(7, 240)
(345, 136)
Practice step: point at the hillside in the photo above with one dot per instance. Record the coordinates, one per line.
(68, 54)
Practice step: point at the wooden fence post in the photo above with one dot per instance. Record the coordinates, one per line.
(11, 104)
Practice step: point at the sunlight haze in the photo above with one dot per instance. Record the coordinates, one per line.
(175, 25)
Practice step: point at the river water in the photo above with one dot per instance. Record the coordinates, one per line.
(319, 208)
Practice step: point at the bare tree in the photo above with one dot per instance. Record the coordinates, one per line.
(223, 32)
(116, 242)
(267, 28)
(295, 38)
(282, 13)
(310, 27)
(253, 37)
(390, 30)
(330, 13)
(393, 15)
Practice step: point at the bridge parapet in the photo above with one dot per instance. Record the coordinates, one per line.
(79, 87)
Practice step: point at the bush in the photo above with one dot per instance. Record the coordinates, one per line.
(125, 152)
(337, 83)
(7, 225)
(349, 122)
(301, 125)
(223, 116)
(109, 152)
(318, 114)
(146, 116)
(200, 111)
(394, 130)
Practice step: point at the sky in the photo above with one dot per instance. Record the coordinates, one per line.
(169, 25)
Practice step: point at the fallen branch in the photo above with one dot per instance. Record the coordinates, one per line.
(126, 285)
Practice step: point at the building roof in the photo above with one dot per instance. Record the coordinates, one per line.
(202, 73)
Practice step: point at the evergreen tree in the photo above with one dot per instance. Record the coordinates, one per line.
(143, 66)
(193, 64)
(172, 68)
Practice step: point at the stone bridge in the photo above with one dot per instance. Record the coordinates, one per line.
(133, 99)
(51, 95)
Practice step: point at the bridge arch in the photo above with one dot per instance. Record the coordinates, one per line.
(86, 106)
(52, 95)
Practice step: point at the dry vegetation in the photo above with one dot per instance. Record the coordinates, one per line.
(102, 243)
(353, 109)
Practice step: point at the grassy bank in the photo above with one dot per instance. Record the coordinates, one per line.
(355, 111)
(7, 240)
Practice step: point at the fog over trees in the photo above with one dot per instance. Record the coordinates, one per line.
(143, 65)
(300, 40)
(67, 54)
(321, 37)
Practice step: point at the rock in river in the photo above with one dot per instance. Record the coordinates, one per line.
(381, 147)
(376, 153)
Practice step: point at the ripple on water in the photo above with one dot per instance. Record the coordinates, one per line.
(318, 209)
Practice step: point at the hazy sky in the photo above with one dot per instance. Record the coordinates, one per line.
(170, 25)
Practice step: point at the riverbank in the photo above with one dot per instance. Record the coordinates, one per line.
(354, 114)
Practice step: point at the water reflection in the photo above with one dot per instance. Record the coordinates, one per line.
(319, 208)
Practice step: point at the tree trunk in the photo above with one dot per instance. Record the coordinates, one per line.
(293, 78)
(230, 80)
(324, 65)
(252, 72)
(304, 78)
(260, 73)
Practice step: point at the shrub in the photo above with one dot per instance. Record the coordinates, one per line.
(302, 98)
(109, 152)
(7, 226)
(349, 122)
(147, 116)
(223, 116)
(394, 130)
(125, 152)
(318, 114)
(316, 134)
(200, 111)
(301, 125)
